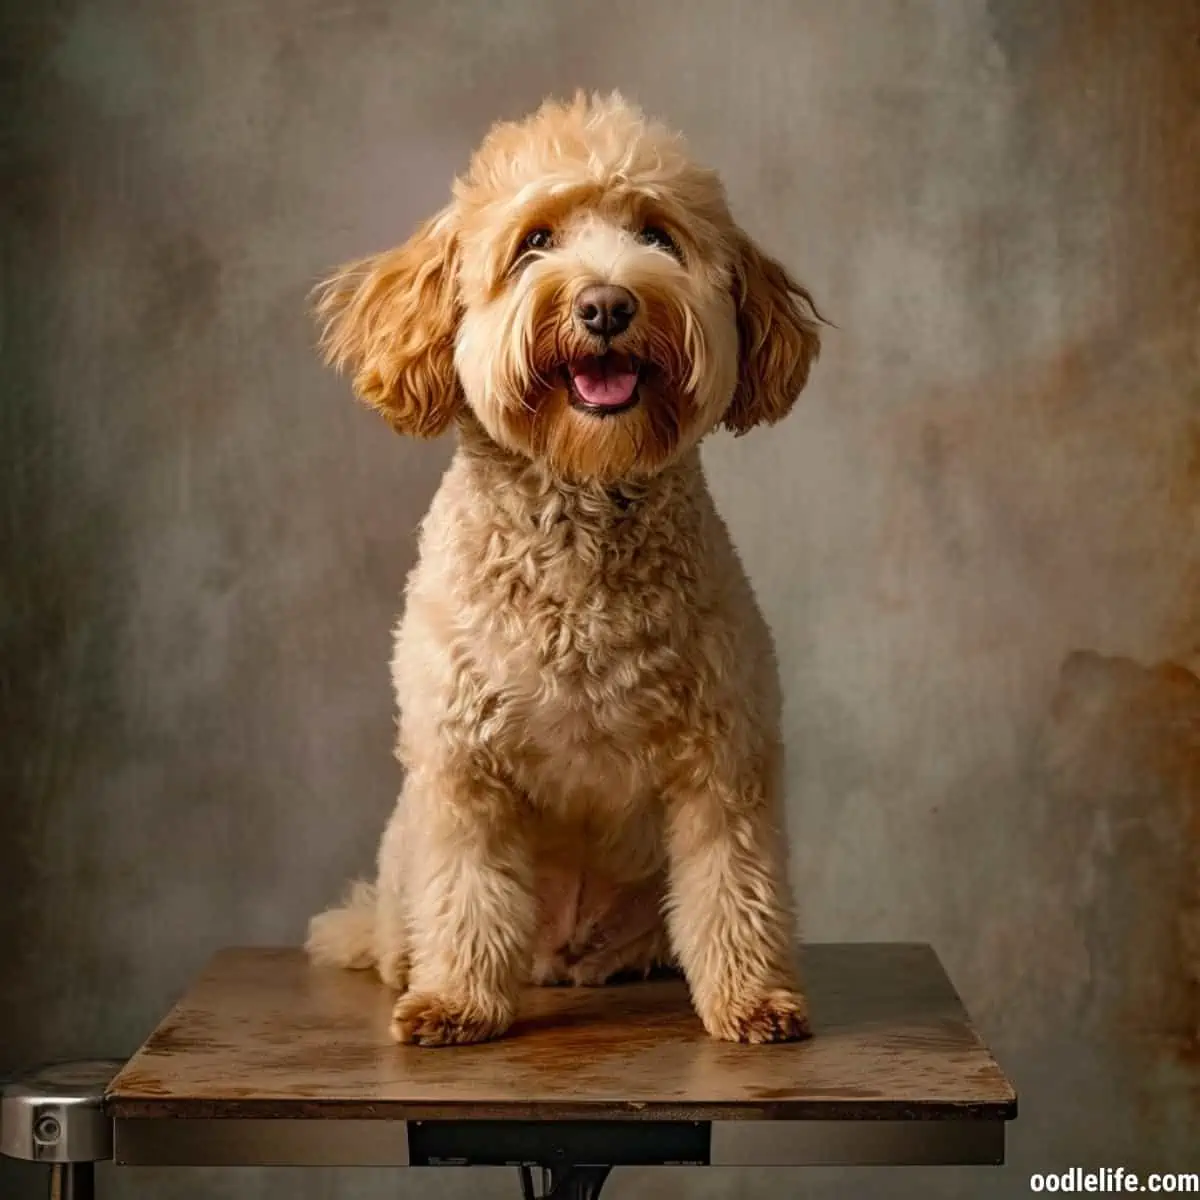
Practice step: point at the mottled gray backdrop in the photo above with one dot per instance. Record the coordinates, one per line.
(977, 538)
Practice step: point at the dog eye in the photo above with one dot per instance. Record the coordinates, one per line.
(537, 239)
(660, 239)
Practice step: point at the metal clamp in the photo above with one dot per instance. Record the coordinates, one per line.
(55, 1114)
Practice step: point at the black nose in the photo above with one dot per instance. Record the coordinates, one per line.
(605, 310)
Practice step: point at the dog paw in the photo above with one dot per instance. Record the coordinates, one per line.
(778, 1016)
(426, 1019)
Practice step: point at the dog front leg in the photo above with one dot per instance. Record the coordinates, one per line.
(729, 908)
(471, 909)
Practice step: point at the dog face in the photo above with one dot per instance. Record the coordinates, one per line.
(585, 294)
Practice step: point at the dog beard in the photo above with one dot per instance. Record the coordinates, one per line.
(607, 412)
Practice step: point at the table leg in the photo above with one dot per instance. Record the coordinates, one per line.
(564, 1183)
(73, 1181)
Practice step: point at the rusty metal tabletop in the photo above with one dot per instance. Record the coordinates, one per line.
(268, 1060)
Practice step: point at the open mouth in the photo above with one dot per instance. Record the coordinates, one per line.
(604, 384)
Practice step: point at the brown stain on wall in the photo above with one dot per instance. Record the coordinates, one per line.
(1123, 774)
(1183, 496)
(1125, 745)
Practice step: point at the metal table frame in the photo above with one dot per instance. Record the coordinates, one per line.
(575, 1157)
(447, 1143)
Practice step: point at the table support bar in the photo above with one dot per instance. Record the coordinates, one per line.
(381, 1143)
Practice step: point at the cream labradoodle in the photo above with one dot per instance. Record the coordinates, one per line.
(588, 695)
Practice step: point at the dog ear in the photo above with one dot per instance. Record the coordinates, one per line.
(391, 319)
(778, 339)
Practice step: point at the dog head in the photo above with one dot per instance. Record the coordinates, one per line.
(586, 294)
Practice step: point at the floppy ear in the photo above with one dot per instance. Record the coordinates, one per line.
(778, 339)
(391, 319)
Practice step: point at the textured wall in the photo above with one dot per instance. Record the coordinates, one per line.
(976, 538)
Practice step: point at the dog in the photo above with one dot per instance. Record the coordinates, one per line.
(589, 708)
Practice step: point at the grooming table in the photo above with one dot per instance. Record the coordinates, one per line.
(269, 1061)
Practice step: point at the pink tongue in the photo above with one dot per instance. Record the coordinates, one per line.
(604, 388)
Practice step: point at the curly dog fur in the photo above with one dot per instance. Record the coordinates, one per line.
(588, 697)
